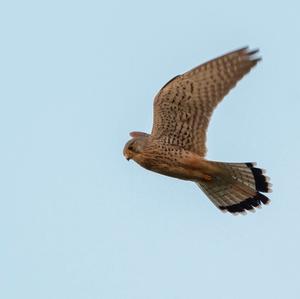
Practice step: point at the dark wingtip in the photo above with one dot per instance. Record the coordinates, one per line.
(253, 52)
(252, 55)
(247, 205)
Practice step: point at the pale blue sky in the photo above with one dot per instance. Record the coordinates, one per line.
(79, 221)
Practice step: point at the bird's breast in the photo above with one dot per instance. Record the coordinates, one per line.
(184, 166)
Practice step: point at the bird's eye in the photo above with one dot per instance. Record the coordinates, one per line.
(130, 147)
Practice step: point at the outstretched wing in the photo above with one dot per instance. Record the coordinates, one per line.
(138, 134)
(183, 107)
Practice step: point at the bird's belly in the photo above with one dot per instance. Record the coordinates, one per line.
(176, 171)
(187, 166)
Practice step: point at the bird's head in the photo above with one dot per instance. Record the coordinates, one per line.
(135, 145)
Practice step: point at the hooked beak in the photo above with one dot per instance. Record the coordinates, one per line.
(127, 157)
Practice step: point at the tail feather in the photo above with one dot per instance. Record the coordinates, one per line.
(261, 181)
(236, 187)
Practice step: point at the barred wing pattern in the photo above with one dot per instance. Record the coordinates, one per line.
(183, 107)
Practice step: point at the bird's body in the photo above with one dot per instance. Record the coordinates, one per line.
(176, 146)
(172, 161)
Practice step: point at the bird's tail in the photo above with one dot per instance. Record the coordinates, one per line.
(236, 187)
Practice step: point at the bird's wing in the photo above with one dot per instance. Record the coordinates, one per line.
(183, 107)
(138, 134)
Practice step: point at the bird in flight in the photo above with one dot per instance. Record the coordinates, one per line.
(176, 145)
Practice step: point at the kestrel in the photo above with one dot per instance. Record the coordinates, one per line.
(176, 145)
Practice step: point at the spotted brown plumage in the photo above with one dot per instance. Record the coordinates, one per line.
(176, 145)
